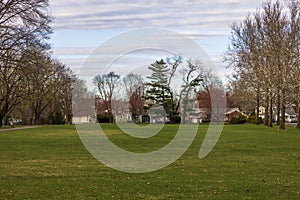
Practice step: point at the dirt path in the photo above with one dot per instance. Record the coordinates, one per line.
(21, 128)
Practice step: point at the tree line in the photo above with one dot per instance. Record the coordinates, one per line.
(33, 84)
(264, 52)
(174, 84)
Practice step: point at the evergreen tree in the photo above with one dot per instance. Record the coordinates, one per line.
(158, 91)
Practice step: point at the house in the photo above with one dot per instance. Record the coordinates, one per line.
(262, 111)
(204, 113)
(83, 117)
(157, 115)
(123, 115)
(233, 112)
(193, 116)
(289, 118)
(290, 115)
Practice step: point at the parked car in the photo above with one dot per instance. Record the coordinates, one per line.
(293, 118)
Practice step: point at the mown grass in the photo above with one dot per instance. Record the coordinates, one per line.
(249, 162)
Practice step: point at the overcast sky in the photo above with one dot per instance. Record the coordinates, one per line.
(80, 26)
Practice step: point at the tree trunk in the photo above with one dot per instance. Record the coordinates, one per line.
(298, 117)
(278, 110)
(298, 108)
(37, 115)
(270, 123)
(257, 110)
(38, 118)
(266, 120)
(1, 119)
(111, 120)
(282, 117)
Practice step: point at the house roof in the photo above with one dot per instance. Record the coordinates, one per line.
(232, 110)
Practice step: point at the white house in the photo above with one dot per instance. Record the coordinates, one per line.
(123, 118)
(82, 117)
(289, 118)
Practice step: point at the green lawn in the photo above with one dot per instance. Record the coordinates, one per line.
(249, 162)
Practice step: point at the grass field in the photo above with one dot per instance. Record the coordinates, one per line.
(249, 162)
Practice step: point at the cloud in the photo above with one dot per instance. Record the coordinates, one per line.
(204, 21)
(92, 14)
(75, 51)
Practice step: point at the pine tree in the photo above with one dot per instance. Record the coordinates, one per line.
(158, 90)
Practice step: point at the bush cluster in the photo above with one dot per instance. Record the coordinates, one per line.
(175, 119)
(251, 120)
(104, 118)
(238, 120)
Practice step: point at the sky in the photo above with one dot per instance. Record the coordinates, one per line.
(81, 26)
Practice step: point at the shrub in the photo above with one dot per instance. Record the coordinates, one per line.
(104, 118)
(58, 117)
(251, 120)
(238, 120)
(135, 119)
(175, 119)
(233, 120)
(205, 121)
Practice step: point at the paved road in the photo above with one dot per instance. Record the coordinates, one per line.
(291, 124)
(21, 128)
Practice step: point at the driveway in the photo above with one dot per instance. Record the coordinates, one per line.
(21, 128)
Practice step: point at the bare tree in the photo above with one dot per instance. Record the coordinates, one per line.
(106, 85)
(23, 24)
(40, 84)
(48, 85)
(294, 82)
(136, 104)
(134, 87)
(131, 82)
(262, 52)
